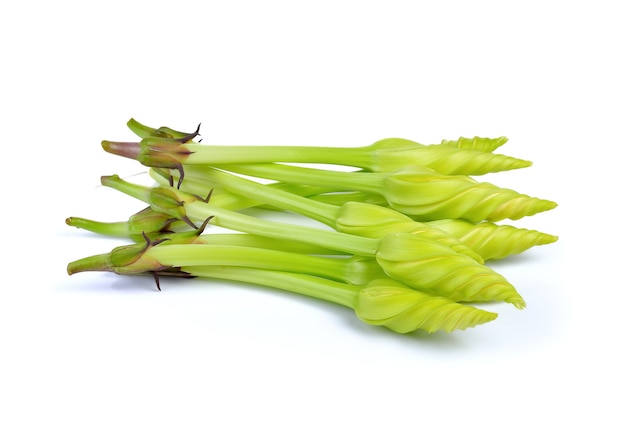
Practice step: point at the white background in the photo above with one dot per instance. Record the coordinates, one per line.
(102, 352)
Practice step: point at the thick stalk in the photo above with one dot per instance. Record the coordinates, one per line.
(112, 229)
(199, 210)
(197, 185)
(335, 292)
(354, 270)
(217, 155)
(188, 207)
(256, 241)
(321, 212)
(343, 180)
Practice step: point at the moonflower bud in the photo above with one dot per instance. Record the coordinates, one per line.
(428, 195)
(389, 303)
(432, 267)
(492, 241)
(374, 221)
(396, 153)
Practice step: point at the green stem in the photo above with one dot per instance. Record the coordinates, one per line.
(342, 198)
(321, 212)
(199, 186)
(217, 155)
(142, 193)
(335, 292)
(343, 180)
(144, 131)
(354, 270)
(182, 205)
(199, 210)
(196, 185)
(113, 229)
(256, 241)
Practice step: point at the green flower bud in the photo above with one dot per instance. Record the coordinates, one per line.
(428, 195)
(149, 221)
(432, 267)
(373, 221)
(360, 270)
(389, 303)
(168, 202)
(493, 241)
(132, 259)
(395, 153)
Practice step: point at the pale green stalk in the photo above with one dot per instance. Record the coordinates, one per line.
(355, 270)
(304, 284)
(198, 186)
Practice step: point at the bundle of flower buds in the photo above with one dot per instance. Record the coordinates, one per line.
(406, 229)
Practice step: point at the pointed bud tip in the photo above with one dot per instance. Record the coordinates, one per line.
(524, 163)
(538, 205)
(545, 239)
(549, 205)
